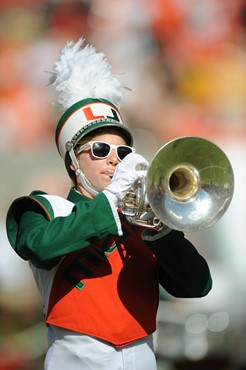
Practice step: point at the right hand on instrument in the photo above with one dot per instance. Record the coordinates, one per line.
(125, 175)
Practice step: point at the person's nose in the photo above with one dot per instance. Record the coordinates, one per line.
(112, 158)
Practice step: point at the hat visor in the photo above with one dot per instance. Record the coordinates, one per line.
(100, 124)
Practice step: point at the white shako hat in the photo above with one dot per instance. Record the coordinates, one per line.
(88, 94)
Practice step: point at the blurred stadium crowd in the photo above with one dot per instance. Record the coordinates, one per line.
(185, 63)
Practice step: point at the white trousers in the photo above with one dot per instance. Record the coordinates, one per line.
(71, 350)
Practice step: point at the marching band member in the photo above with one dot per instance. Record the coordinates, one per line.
(97, 274)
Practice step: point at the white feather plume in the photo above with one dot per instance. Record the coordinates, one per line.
(82, 73)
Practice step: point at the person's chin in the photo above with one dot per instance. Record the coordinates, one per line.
(104, 185)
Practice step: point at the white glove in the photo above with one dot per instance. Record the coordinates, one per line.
(125, 175)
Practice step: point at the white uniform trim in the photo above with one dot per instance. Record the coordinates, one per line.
(44, 279)
(61, 206)
(112, 199)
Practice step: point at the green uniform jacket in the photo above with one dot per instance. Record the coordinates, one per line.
(38, 236)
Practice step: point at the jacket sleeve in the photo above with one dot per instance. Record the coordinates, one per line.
(184, 273)
(38, 237)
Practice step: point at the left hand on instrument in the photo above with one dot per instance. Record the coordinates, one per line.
(125, 175)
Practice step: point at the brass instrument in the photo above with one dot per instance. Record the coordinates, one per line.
(188, 187)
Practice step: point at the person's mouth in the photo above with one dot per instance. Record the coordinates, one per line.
(109, 173)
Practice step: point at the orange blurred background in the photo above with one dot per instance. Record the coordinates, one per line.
(185, 63)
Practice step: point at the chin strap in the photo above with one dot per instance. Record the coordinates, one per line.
(84, 181)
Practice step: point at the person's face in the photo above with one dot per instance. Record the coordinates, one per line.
(99, 171)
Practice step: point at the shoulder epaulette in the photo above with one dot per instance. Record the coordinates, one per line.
(33, 202)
